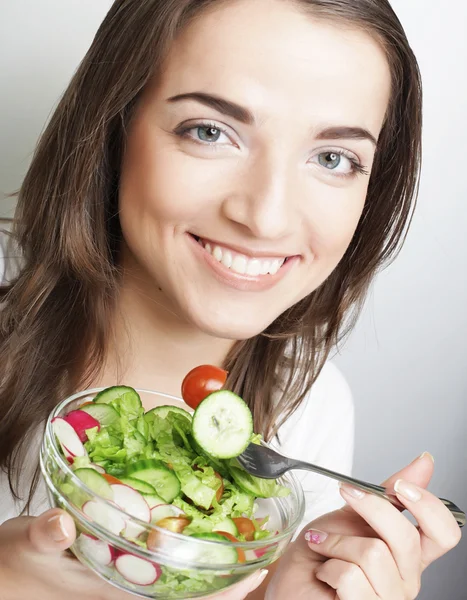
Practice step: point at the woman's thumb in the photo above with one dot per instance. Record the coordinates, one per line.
(53, 531)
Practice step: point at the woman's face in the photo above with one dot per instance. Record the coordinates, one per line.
(247, 163)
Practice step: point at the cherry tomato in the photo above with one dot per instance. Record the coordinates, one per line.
(245, 527)
(175, 524)
(231, 538)
(200, 382)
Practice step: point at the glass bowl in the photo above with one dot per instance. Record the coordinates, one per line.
(177, 566)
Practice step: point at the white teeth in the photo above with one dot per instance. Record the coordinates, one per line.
(265, 266)
(253, 267)
(275, 266)
(217, 253)
(227, 259)
(239, 264)
(242, 264)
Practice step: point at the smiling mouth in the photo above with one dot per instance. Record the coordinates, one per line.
(241, 263)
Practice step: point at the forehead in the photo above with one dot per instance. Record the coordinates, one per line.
(273, 58)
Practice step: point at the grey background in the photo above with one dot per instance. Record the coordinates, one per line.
(405, 361)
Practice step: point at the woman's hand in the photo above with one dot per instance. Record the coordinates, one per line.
(371, 550)
(33, 564)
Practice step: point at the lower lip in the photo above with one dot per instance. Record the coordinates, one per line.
(245, 283)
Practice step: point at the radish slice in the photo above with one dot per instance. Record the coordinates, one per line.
(105, 515)
(96, 550)
(135, 505)
(80, 421)
(131, 502)
(161, 511)
(68, 438)
(97, 468)
(137, 570)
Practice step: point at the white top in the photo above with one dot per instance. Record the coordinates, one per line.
(320, 431)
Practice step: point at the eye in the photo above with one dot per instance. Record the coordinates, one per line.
(335, 162)
(340, 163)
(207, 134)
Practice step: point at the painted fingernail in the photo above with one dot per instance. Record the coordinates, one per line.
(314, 536)
(351, 491)
(422, 456)
(407, 490)
(57, 529)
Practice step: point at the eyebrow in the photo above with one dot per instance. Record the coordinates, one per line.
(243, 115)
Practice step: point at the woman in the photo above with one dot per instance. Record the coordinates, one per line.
(219, 185)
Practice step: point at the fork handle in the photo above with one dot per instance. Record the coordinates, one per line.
(378, 490)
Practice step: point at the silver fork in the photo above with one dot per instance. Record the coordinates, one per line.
(262, 461)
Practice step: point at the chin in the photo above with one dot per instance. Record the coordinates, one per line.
(225, 326)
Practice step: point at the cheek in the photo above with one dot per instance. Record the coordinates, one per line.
(159, 181)
(332, 224)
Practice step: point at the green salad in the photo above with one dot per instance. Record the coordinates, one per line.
(165, 467)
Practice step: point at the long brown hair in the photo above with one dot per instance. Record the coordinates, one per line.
(57, 309)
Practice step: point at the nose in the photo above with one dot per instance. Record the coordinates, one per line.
(261, 201)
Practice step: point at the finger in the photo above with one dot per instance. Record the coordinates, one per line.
(372, 555)
(347, 579)
(419, 471)
(438, 529)
(241, 590)
(393, 528)
(53, 531)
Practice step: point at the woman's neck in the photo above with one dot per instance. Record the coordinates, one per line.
(152, 347)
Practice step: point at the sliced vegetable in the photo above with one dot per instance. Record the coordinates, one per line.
(105, 516)
(68, 438)
(131, 502)
(138, 485)
(216, 553)
(158, 475)
(105, 414)
(116, 392)
(223, 425)
(245, 527)
(227, 525)
(174, 524)
(81, 421)
(240, 552)
(137, 570)
(163, 511)
(200, 382)
(95, 550)
(96, 482)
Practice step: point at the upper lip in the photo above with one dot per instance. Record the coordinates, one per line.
(246, 251)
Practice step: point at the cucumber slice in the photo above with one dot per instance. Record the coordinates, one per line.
(155, 473)
(227, 525)
(95, 482)
(153, 500)
(123, 399)
(224, 554)
(104, 413)
(138, 485)
(163, 411)
(223, 425)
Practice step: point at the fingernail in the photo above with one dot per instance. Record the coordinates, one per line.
(426, 454)
(57, 530)
(407, 490)
(314, 536)
(351, 491)
(261, 577)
